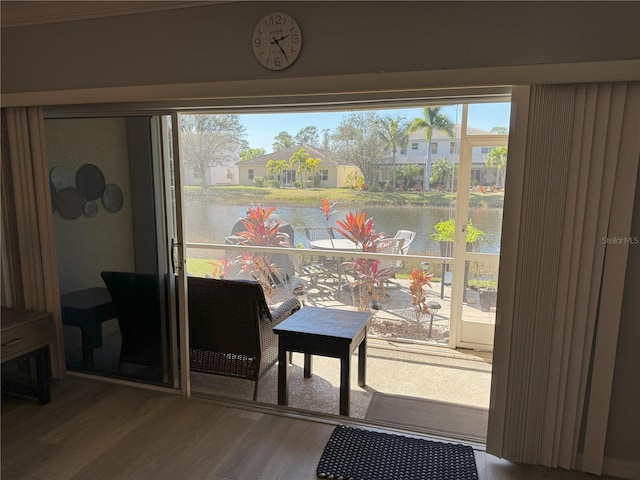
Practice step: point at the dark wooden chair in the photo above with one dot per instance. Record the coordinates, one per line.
(136, 304)
(231, 328)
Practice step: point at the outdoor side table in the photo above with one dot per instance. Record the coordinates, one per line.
(87, 309)
(327, 332)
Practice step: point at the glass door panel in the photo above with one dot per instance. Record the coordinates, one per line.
(112, 219)
(483, 160)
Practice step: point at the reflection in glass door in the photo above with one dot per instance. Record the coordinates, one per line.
(112, 216)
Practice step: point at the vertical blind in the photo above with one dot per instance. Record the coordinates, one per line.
(571, 189)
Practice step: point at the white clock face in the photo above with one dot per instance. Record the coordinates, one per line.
(277, 41)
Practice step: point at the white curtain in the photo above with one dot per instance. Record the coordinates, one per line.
(573, 161)
(29, 268)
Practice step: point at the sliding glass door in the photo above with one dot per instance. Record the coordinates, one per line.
(114, 218)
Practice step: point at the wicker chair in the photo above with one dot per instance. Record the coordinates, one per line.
(136, 302)
(231, 328)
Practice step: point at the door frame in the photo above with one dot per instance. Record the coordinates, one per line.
(467, 334)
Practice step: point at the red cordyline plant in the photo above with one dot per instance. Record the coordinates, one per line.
(367, 273)
(328, 210)
(259, 230)
(420, 280)
(359, 229)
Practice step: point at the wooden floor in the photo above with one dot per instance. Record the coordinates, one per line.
(98, 430)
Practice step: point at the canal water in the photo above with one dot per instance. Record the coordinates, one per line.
(208, 222)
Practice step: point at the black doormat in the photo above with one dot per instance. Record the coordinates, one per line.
(357, 454)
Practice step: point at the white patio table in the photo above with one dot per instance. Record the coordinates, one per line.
(334, 244)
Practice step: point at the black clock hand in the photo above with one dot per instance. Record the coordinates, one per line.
(280, 47)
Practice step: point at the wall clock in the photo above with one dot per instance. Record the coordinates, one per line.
(277, 40)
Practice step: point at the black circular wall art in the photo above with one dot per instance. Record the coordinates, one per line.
(90, 181)
(70, 203)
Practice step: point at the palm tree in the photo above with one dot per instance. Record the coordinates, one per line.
(432, 119)
(442, 172)
(394, 133)
(312, 166)
(498, 157)
(406, 173)
(277, 167)
(297, 161)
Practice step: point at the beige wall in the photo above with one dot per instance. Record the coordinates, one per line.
(348, 46)
(243, 174)
(213, 43)
(87, 246)
(338, 176)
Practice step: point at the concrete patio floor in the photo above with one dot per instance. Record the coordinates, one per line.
(432, 373)
(396, 318)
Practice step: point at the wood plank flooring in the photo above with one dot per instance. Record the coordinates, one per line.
(103, 431)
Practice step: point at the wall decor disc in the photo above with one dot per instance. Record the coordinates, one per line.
(90, 209)
(60, 177)
(112, 199)
(70, 203)
(90, 181)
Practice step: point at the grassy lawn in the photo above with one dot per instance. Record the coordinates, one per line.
(201, 267)
(237, 194)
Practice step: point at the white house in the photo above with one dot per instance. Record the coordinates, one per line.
(442, 147)
(220, 160)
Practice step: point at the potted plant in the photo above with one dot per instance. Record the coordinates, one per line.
(445, 232)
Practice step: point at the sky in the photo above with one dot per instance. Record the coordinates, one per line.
(263, 127)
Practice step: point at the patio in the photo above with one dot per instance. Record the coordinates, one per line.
(426, 372)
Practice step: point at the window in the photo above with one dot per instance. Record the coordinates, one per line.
(485, 149)
(229, 174)
(316, 174)
(454, 147)
(403, 151)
